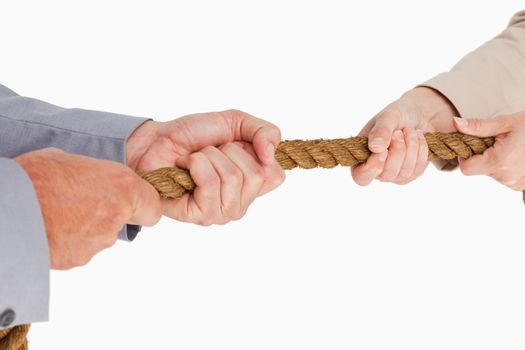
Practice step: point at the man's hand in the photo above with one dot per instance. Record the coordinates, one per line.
(505, 160)
(85, 202)
(396, 136)
(230, 156)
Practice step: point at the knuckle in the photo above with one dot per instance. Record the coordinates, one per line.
(234, 112)
(212, 183)
(194, 159)
(205, 221)
(223, 221)
(207, 149)
(413, 145)
(280, 178)
(475, 124)
(258, 172)
(239, 215)
(214, 219)
(234, 177)
(398, 146)
(387, 176)
(229, 146)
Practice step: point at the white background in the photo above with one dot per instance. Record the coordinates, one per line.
(320, 263)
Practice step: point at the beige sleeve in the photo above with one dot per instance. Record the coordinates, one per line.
(490, 80)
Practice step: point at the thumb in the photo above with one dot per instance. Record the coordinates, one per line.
(380, 134)
(264, 136)
(484, 127)
(147, 204)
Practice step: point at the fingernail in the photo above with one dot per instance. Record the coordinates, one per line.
(398, 135)
(461, 122)
(270, 149)
(382, 156)
(377, 142)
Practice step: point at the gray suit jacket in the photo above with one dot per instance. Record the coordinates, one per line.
(28, 124)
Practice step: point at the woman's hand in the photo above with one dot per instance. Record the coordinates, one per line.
(395, 136)
(505, 161)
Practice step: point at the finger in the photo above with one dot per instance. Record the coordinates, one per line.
(363, 174)
(412, 147)
(481, 164)
(147, 210)
(422, 157)
(264, 136)
(395, 158)
(232, 180)
(380, 135)
(252, 172)
(484, 127)
(274, 173)
(205, 197)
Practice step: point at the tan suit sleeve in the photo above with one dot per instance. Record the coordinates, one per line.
(490, 80)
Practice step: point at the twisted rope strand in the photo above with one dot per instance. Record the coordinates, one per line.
(172, 182)
(175, 182)
(14, 338)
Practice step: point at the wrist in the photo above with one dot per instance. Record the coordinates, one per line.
(435, 108)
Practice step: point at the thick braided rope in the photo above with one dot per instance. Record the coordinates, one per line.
(173, 182)
(14, 338)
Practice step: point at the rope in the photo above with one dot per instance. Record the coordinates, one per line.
(172, 182)
(14, 338)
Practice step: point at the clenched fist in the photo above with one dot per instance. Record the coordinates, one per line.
(230, 156)
(85, 202)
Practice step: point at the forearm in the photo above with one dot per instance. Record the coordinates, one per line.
(490, 80)
(28, 124)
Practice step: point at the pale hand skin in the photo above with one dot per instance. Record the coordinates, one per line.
(396, 140)
(85, 202)
(503, 161)
(230, 156)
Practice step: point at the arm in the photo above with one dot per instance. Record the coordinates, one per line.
(24, 255)
(489, 81)
(486, 82)
(28, 124)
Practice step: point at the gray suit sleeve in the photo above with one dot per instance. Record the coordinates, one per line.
(27, 124)
(24, 256)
